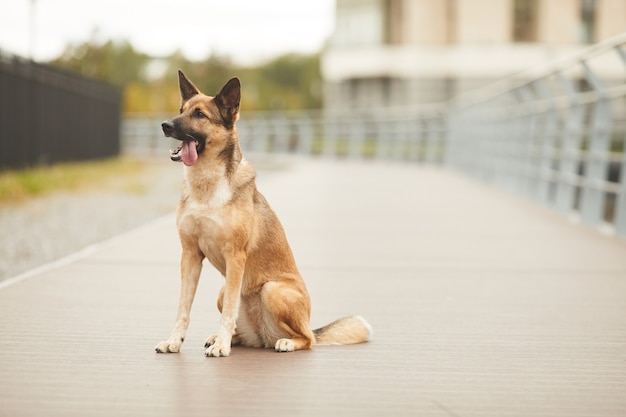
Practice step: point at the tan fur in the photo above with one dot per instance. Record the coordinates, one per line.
(222, 217)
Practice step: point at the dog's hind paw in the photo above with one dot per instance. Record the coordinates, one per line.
(284, 345)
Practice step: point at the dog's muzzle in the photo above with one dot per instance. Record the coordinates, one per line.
(191, 146)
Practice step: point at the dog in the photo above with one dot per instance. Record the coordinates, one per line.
(222, 216)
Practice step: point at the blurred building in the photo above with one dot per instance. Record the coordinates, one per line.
(406, 52)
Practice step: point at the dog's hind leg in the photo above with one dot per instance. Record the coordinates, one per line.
(290, 310)
(190, 268)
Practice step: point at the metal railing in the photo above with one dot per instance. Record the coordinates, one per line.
(416, 136)
(554, 134)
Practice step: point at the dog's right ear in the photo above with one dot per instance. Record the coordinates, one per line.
(187, 89)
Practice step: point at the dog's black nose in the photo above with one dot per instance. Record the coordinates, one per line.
(168, 127)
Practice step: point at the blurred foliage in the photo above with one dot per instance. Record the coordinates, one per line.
(150, 84)
(115, 62)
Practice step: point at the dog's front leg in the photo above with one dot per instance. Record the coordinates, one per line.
(219, 344)
(190, 268)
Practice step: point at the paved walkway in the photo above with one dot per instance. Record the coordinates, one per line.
(482, 305)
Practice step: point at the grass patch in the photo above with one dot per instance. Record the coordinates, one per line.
(70, 176)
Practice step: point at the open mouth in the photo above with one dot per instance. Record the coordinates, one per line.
(187, 152)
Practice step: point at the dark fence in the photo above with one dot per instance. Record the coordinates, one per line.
(47, 115)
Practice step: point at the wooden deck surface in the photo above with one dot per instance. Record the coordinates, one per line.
(482, 305)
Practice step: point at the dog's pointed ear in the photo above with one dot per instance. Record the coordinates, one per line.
(228, 100)
(187, 89)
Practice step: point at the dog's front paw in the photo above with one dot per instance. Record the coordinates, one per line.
(284, 345)
(169, 346)
(217, 346)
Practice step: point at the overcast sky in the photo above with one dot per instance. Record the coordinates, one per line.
(247, 30)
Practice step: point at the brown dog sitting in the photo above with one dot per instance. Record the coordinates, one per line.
(222, 217)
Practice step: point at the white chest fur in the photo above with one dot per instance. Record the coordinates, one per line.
(222, 193)
(212, 192)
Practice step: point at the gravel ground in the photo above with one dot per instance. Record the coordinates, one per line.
(43, 229)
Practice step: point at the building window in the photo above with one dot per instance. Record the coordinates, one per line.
(359, 23)
(525, 21)
(451, 21)
(587, 21)
(393, 21)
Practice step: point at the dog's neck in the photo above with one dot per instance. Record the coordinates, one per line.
(213, 169)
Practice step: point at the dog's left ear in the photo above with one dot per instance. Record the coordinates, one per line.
(228, 100)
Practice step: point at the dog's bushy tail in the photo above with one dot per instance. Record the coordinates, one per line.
(345, 331)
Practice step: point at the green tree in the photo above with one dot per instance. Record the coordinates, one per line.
(293, 81)
(117, 63)
(288, 82)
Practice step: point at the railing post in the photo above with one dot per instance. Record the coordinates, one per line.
(430, 141)
(332, 132)
(570, 149)
(620, 200)
(416, 139)
(305, 128)
(262, 135)
(281, 134)
(527, 137)
(592, 196)
(404, 131)
(547, 146)
(396, 144)
(355, 137)
(452, 158)
(382, 136)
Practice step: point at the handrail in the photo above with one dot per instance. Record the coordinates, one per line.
(526, 77)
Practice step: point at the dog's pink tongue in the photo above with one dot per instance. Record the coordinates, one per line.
(189, 153)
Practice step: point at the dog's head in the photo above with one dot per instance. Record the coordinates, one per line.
(205, 125)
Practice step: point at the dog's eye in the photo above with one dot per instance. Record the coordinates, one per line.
(199, 113)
